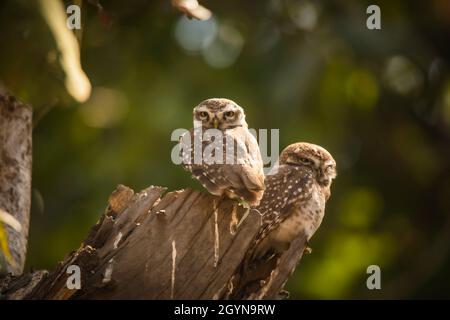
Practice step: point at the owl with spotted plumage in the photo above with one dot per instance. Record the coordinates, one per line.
(226, 159)
(293, 205)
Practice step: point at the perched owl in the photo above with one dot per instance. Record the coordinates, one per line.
(228, 161)
(294, 201)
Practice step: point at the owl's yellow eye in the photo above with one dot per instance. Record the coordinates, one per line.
(203, 114)
(229, 114)
(305, 161)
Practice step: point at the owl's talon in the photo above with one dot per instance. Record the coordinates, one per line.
(246, 213)
(244, 216)
(307, 250)
(283, 294)
(243, 203)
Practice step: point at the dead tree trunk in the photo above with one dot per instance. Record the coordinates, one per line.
(15, 182)
(151, 245)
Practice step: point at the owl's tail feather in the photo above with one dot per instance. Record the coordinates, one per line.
(262, 258)
(259, 251)
(252, 275)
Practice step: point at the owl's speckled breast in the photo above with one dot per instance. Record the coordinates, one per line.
(306, 218)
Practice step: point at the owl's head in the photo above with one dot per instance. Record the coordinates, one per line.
(219, 113)
(313, 156)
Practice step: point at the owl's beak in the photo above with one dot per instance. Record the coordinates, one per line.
(216, 123)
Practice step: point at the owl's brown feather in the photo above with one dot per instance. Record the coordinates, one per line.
(240, 171)
(287, 190)
(294, 200)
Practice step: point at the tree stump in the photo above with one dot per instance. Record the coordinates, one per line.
(15, 182)
(152, 245)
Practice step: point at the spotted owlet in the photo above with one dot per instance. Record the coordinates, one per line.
(294, 201)
(226, 158)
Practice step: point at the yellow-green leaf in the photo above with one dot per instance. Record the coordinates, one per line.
(4, 247)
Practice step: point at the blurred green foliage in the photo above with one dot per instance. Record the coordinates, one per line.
(378, 100)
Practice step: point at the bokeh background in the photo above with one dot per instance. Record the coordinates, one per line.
(378, 100)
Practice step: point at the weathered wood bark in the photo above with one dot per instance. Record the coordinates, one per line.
(148, 245)
(15, 180)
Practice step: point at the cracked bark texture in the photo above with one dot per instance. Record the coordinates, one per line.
(157, 245)
(15, 178)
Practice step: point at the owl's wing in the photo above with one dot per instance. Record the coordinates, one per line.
(247, 155)
(206, 174)
(286, 190)
(238, 172)
(257, 164)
